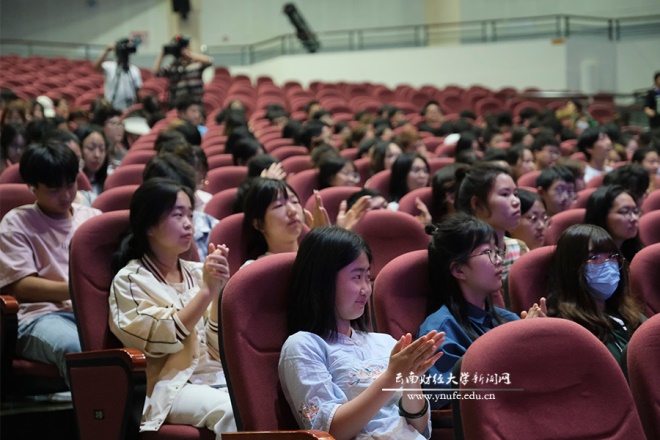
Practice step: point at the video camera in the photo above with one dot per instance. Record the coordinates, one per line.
(125, 47)
(179, 42)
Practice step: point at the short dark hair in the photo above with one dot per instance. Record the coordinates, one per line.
(527, 200)
(184, 102)
(656, 76)
(245, 149)
(588, 138)
(102, 114)
(553, 173)
(329, 166)
(311, 303)
(633, 177)
(444, 182)
(542, 141)
(62, 136)
(170, 166)
(640, 154)
(7, 135)
(476, 181)
(149, 203)
(353, 198)
(312, 129)
(51, 163)
(258, 163)
(189, 132)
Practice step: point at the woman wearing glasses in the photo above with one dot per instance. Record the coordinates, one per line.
(614, 209)
(596, 295)
(465, 268)
(534, 220)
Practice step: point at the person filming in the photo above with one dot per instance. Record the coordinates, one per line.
(122, 79)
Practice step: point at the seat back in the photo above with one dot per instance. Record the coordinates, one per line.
(529, 178)
(400, 294)
(296, 164)
(13, 195)
(220, 160)
(254, 328)
(221, 204)
(290, 151)
(528, 274)
(304, 183)
(138, 157)
(407, 202)
(649, 228)
(92, 247)
(645, 278)
(390, 234)
(125, 175)
(437, 163)
(224, 178)
(582, 197)
(380, 182)
(115, 199)
(643, 366)
(652, 202)
(332, 197)
(561, 221)
(564, 395)
(596, 181)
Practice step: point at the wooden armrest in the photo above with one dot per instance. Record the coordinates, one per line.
(8, 304)
(278, 435)
(108, 389)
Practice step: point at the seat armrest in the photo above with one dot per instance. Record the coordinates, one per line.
(442, 418)
(8, 334)
(108, 389)
(278, 435)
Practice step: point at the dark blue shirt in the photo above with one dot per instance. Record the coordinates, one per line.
(456, 342)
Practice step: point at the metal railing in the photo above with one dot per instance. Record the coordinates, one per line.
(465, 32)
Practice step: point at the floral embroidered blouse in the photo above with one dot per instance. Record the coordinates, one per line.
(318, 376)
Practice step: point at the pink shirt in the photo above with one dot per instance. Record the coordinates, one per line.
(33, 243)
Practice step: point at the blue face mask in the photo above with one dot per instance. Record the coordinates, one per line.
(603, 279)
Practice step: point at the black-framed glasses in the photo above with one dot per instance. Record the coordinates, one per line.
(605, 258)
(493, 255)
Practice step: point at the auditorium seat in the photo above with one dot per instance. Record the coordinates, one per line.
(528, 278)
(561, 221)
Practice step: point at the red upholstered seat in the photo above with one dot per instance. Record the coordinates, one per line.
(652, 202)
(304, 182)
(649, 228)
(563, 383)
(643, 366)
(296, 164)
(224, 178)
(125, 175)
(380, 182)
(528, 278)
(529, 178)
(115, 199)
(390, 234)
(407, 202)
(138, 157)
(645, 278)
(220, 160)
(596, 182)
(12, 175)
(254, 328)
(582, 197)
(221, 204)
(561, 221)
(290, 151)
(13, 195)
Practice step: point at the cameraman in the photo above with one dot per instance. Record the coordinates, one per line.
(185, 72)
(122, 80)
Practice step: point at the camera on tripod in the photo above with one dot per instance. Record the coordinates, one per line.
(179, 42)
(125, 47)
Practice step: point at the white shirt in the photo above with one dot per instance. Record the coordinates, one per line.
(124, 84)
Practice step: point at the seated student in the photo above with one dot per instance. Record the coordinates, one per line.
(444, 185)
(313, 133)
(596, 296)
(335, 170)
(556, 186)
(191, 110)
(465, 268)
(520, 135)
(576, 167)
(261, 165)
(383, 156)
(277, 115)
(34, 254)
(596, 145)
(376, 199)
(13, 142)
(534, 220)
(110, 120)
(336, 375)
(165, 307)
(432, 118)
(614, 209)
(648, 159)
(245, 149)
(409, 172)
(546, 152)
(521, 160)
(489, 193)
(633, 177)
(95, 155)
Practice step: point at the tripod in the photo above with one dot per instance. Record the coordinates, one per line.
(123, 69)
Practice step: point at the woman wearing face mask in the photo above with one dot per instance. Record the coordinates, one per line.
(596, 295)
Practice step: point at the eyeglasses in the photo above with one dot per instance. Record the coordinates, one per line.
(415, 170)
(535, 219)
(351, 175)
(604, 258)
(551, 151)
(564, 192)
(629, 212)
(493, 255)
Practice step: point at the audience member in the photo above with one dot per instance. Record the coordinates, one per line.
(534, 220)
(556, 186)
(596, 145)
